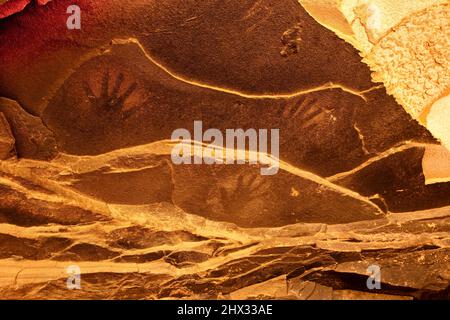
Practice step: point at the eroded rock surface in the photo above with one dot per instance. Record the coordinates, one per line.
(93, 185)
(33, 139)
(406, 45)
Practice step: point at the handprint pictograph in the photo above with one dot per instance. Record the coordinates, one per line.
(241, 193)
(111, 102)
(305, 113)
(321, 119)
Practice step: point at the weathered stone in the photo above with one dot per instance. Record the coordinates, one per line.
(95, 186)
(7, 141)
(33, 139)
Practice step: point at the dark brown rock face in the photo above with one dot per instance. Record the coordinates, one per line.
(7, 140)
(33, 139)
(87, 176)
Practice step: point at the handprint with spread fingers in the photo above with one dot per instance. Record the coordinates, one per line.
(111, 102)
(248, 189)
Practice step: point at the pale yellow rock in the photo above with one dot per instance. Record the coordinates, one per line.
(275, 288)
(329, 13)
(359, 21)
(438, 120)
(413, 60)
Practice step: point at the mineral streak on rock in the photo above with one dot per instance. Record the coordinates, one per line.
(406, 45)
(87, 179)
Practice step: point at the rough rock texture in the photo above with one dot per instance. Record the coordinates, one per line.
(92, 111)
(414, 48)
(34, 140)
(10, 7)
(6, 139)
(406, 45)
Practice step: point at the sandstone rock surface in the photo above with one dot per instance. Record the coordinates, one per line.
(91, 113)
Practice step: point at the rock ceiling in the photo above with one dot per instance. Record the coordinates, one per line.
(86, 177)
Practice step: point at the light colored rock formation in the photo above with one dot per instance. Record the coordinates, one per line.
(33, 138)
(406, 44)
(7, 140)
(436, 164)
(438, 120)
